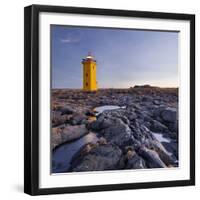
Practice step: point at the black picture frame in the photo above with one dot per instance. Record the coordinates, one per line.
(31, 98)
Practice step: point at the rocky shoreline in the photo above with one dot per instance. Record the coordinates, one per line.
(141, 133)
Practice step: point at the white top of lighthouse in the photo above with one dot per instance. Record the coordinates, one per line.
(89, 57)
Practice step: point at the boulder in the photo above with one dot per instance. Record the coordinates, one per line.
(102, 157)
(57, 118)
(147, 99)
(165, 156)
(157, 111)
(78, 118)
(171, 147)
(172, 135)
(134, 161)
(66, 111)
(101, 123)
(173, 126)
(90, 113)
(158, 127)
(67, 134)
(70, 133)
(169, 115)
(151, 158)
(117, 132)
(55, 137)
(156, 102)
(132, 116)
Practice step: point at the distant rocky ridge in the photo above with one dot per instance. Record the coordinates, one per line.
(127, 136)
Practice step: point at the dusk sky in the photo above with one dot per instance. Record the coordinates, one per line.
(124, 57)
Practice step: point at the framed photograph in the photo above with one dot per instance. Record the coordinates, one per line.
(109, 99)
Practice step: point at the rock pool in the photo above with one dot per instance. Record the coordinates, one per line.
(100, 109)
(161, 138)
(62, 155)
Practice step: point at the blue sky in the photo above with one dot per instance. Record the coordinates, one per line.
(124, 57)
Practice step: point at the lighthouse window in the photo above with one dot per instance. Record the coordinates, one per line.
(86, 84)
(86, 74)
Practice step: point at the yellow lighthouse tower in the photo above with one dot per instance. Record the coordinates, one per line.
(89, 73)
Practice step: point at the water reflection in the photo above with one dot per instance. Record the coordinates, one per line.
(100, 109)
(161, 138)
(62, 155)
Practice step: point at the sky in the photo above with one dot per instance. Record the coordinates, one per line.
(125, 57)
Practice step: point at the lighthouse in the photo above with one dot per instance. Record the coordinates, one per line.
(89, 73)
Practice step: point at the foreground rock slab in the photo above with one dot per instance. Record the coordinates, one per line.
(67, 134)
(103, 157)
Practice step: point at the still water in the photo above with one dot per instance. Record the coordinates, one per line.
(63, 155)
